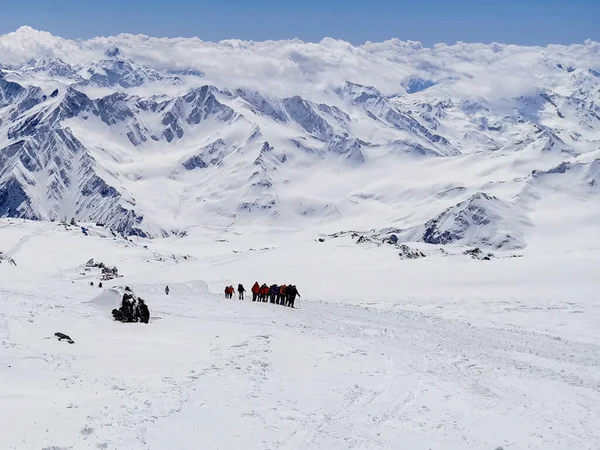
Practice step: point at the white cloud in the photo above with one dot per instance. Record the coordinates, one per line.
(294, 67)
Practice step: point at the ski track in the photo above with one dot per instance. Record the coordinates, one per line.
(19, 245)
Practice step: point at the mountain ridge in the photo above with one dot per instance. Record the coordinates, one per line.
(98, 141)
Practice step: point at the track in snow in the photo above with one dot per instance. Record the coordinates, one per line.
(232, 374)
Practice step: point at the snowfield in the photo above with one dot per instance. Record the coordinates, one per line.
(442, 352)
(437, 208)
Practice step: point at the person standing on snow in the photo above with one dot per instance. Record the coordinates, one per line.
(143, 311)
(286, 295)
(167, 290)
(293, 292)
(226, 291)
(255, 291)
(273, 291)
(281, 295)
(264, 292)
(241, 291)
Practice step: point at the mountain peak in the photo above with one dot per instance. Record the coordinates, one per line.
(358, 92)
(113, 52)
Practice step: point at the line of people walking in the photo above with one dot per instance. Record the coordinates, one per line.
(284, 295)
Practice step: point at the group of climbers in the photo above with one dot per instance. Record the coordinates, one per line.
(278, 295)
(229, 291)
(284, 295)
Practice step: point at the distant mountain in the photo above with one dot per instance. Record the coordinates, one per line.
(50, 66)
(115, 70)
(150, 145)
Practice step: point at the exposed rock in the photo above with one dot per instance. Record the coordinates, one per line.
(477, 253)
(367, 240)
(63, 336)
(409, 253)
(7, 259)
(108, 273)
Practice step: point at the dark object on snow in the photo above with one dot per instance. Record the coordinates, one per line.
(63, 336)
(100, 284)
(321, 240)
(143, 312)
(408, 253)
(280, 300)
(6, 258)
(292, 293)
(264, 293)
(476, 253)
(167, 290)
(393, 239)
(110, 273)
(273, 291)
(241, 291)
(118, 315)
(132, 309)
(73, 221)
(91, 283)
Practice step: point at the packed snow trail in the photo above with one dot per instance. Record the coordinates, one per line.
(231, 374)
(414, 380)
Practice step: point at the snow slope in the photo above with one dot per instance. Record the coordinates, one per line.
(441, 352)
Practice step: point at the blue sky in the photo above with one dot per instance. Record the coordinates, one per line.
(527, 22)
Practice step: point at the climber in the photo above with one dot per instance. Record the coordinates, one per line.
(264, 292)
(143, 312)
(281, 296)
(273, 291)
(293, 292)
(255, 291)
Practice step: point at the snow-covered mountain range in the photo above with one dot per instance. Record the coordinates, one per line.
(473, 144)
